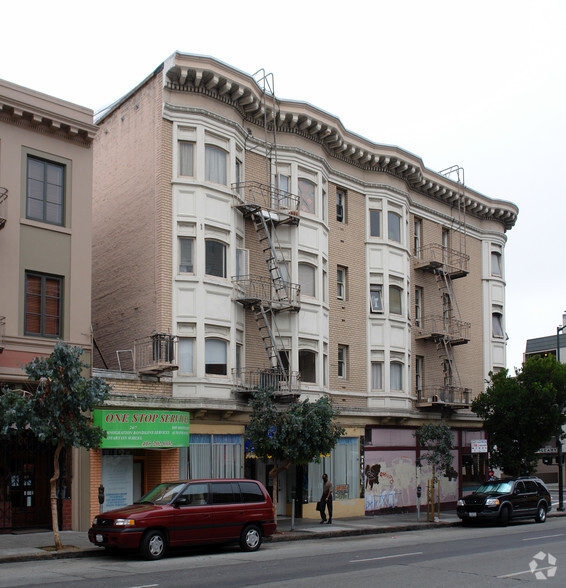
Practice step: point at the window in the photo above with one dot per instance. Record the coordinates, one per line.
(45, 191)
(215, 456)
(342, 361)
(186, 255)
(43, 305)
(307, 365)
(341, 206)
(238, 172)
(186, 158)
(341, 283)
(396, 375)
(325, 370)
(306, 279)
(376, 298)
(324, 286)
(215, 357)
(418, 306)
(215, 264)
(377, 375)
(282, 182)
(497, 325)
(496, 264)
(215, 165)
(186, 356)
(239, 355)
(419, 374)
(394, 226)
(417, 237)
(242, 263)
(307, 195)
(395, 302)
(375, 223)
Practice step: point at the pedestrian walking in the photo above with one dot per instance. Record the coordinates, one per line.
(326, 500)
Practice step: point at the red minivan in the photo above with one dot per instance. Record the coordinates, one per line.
(188, 513)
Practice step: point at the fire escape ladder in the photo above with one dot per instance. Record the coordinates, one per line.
(446, 288)
(266, 328)
(270, 255)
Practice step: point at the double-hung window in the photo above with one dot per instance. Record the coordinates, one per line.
(341, 283)
(186, 255)
(307, 279)
(186, 355)
(376, 298)
(215, 160)
(43, 305)
(45, 191)
(186, 158)
(215, 260)
(395, 303)
(394, 226)
(375, 223)
(307, 195)
(215, 352)
(341, 206)
(342, 362)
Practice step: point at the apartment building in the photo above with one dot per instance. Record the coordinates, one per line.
(45, 277)
(243, 240)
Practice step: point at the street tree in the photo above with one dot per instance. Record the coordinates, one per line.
(521, 413)
(298, 433)
(436, 440)
(57, 410)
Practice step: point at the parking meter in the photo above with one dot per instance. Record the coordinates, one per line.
(419, 491)
(101, 494)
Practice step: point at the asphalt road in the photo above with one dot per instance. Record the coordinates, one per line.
(477, 556)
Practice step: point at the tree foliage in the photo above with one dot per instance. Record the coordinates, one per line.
(437, 440)
(523, 412)
(297, 434)
(56, 411)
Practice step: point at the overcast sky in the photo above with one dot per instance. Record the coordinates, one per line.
(479, 84)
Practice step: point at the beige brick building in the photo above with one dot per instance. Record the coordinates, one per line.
(240, 239)
(46, 162)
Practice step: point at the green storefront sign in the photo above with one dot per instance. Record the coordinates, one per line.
(135, 429)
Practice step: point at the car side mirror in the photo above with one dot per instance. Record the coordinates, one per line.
(182, 501)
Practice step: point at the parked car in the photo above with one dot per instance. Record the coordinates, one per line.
(193, 512)
(504, 500)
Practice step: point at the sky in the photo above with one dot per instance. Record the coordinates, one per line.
(479, 84)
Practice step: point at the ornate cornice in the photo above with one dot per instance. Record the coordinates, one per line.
(212, 78)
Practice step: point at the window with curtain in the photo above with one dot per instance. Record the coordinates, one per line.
(43, 305)
(216, 456)
(307, 279)
(186, 355)
(497, 325)
(418, 228)
(396, 375)
(186, 158)
(496, 264)
(215, 260)
(307, 365)
(377, 375)
(395, 300)
(419, 373)
(215, 357)
(342, 467)
(215, 160)
(394, 226)
(45, 191)
(375, 223)
(186, 255)
(341, 206)
(307, 195)
(418, 306)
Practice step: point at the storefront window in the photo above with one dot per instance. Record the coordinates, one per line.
(216, 456)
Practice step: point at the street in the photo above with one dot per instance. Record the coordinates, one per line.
(476, 556)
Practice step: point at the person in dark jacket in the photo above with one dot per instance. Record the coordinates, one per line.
(326, 500)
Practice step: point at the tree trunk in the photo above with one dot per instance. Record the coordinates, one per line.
(53, 483)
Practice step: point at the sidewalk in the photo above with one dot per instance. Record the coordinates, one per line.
(21, 546)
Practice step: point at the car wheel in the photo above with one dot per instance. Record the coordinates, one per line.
(153, 545)
(250, 539)
(504, 516)
(541, 514)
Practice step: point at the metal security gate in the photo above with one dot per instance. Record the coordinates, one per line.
(26, 466)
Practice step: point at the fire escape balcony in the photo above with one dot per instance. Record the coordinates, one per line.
(3, 198)
(444, 397)
(278, 295)
(436, 328)
(155, 354)
(434, 257)
(279, 206)
(284, 386)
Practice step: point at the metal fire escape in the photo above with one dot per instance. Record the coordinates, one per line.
(448, 330)
(268, 207)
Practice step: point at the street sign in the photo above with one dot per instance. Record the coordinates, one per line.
(479, 445)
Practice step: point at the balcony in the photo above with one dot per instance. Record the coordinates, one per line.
(436, 257)
(3, 206)
(2, 327)
(155, 354)
(246, 380)
(443, 397)
(277, 294)
(435, 328)
(280, 206)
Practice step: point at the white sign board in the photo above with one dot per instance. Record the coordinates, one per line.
(479, 445)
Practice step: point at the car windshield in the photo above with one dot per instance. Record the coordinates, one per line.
(501, 487)
(162, 494)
